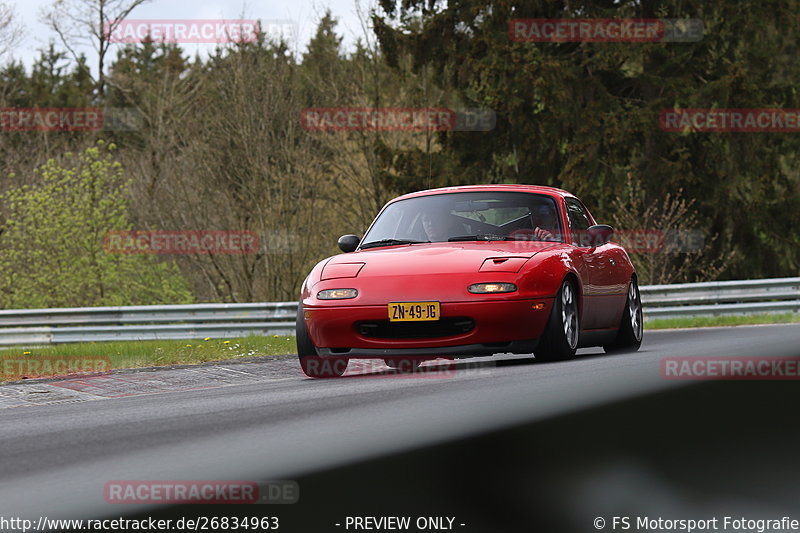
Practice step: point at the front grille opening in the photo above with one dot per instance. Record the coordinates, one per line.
(384, 329)
(497, 344)
(339, 350)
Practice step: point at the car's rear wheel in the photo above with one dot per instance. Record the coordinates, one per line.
(312, 364)
(560, 339)
(631, 328)
(403, 365)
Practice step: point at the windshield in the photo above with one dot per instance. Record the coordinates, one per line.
(467, 216)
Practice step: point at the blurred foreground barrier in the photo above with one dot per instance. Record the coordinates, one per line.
(198, 321)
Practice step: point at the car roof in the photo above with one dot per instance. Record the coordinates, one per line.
(541, 189)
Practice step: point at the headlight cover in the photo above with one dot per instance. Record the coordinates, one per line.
(491, 288)
(341, 270)
(337, 294)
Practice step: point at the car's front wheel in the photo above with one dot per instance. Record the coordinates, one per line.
(631, 328)
(560, 339)
(312, 364)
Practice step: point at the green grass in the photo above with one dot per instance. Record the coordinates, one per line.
(188, 352)
(149, 353)
(717, 321)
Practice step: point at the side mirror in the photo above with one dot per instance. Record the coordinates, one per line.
(600, 234)
(348, 243)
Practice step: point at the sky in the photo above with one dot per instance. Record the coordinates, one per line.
(305, 14)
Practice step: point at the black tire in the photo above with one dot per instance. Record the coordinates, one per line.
(403, 365)
(559, 341)
(631, 328)
(312, 364)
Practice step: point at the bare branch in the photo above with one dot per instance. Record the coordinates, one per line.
(10, 30)
(88, 23)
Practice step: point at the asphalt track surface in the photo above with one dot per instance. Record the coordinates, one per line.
(62, 441)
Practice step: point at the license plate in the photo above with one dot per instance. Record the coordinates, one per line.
(413, 311)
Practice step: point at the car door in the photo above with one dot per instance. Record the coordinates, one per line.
(585, 258)
(604, 290)
(609, 286)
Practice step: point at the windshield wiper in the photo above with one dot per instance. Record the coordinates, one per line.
(389, 242)
(481, 237)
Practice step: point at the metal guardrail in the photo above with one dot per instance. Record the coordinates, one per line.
(145, 322)
(718, 298)
(164, 322)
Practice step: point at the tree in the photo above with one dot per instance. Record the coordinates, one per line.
(683, 252)
(370, 167)
(52, 82)
(582, 116)
(51, 243)
(92, 22)
(10, 30)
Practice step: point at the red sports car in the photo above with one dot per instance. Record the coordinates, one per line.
(466, 271)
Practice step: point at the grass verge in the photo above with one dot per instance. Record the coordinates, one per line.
(16, 363)
(43, 361)
(714, 321)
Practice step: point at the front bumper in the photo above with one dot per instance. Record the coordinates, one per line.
(466, 350)
(497, 326)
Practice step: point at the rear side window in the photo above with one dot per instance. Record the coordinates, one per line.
(579, 221)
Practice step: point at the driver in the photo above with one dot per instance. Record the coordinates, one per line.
(544, 223)
(438, 225)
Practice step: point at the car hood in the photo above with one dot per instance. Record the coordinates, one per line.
(434, 258)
